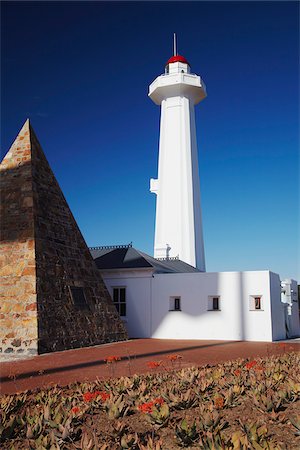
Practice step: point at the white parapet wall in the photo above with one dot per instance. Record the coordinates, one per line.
(249, 305)
(236, 318)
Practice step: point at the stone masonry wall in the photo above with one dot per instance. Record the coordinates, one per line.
(43, 255)
(18, 307)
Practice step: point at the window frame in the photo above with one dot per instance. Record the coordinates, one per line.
(79, 305)
(119, 304)
(211, 303)
(175, 303)
(252, 302)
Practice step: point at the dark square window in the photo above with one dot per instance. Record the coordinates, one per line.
(257, 302)
(177, 304)
(79, 297)
(215, 304)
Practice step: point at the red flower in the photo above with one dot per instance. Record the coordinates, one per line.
(88, 396)
(104, 396)
(219, 402)
(159, 401)
(146, 407)
(237, 372)
(174, 357)
(111, 359)
(250, 364)
(154, 364)
(75, 410)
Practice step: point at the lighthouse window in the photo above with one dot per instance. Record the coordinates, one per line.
(255, 303)
(175, 304)
(119, 299)
(213, 303)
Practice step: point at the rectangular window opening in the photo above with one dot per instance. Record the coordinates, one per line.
(213, 303)
(255, 303)
(78, 297)
(216, 303)
(119, 299)
(175, 304)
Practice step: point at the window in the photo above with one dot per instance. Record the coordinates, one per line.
(175, 304)
(119, 299)
(213, 303)
(78, 297)
(255, 303)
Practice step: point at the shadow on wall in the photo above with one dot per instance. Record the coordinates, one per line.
(16, 201)
(231, 319)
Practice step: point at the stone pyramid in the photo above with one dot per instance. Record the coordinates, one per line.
(52, 295)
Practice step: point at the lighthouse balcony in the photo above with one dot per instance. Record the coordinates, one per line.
(177, 84)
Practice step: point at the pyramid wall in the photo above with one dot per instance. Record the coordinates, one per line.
(44, 240)
(18, 302)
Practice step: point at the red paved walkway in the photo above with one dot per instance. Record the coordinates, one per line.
(88, 363)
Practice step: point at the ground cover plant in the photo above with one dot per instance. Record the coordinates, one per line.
(243, 404)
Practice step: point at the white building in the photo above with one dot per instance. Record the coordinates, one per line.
(170, 299)
(171, 296)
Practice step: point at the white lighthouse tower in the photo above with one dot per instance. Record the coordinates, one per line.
(178, 226)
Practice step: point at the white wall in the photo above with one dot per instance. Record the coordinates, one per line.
(277, 308)
(148, 312)
(138, 298)
(294, 320)
(290, 306)
(233, 322)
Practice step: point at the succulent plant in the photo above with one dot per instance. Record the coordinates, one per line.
(150, 443)
(183, 400)
(296, 423)
(57, 417)
(186, 433)
(117, 407)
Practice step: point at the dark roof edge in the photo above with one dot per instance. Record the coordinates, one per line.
(111, 247)
(127, 269)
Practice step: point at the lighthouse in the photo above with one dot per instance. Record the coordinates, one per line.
(178, 224)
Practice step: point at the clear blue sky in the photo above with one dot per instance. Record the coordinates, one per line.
(81, 72)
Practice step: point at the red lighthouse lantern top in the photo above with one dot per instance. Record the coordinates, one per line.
(177, 58)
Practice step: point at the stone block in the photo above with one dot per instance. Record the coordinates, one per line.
(16, 343)
(29, 271)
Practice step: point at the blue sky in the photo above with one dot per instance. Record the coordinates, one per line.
(80, 71)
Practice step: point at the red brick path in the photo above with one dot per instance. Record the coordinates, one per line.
(88, 363)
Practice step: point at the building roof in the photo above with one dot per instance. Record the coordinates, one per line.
(127, 257)
(177, 58)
